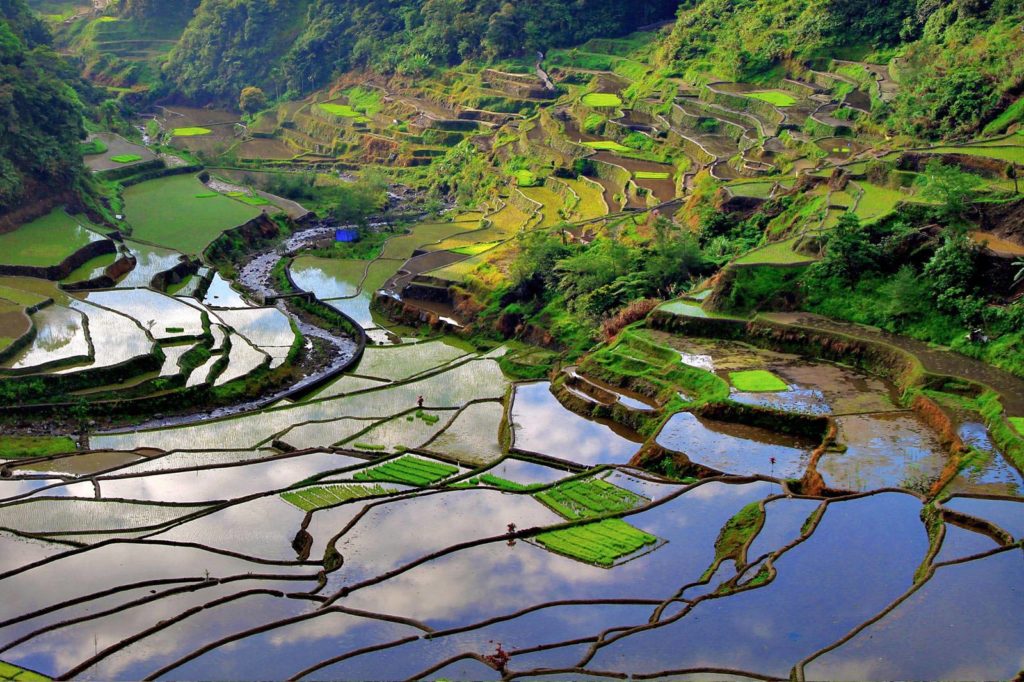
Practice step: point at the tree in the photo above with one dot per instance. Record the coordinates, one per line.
(950, 187)
(359, 200)
(1011, 173)
(252, 99)
(950, 275)
(849, 252)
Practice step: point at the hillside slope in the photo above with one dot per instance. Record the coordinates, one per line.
(41, 113)
(234, 43)
(959, 62)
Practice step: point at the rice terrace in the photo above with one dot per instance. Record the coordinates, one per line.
(461, 340)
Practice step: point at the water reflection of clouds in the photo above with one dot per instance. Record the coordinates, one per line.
(543, 425)
(745, 453)
(324, 284)
(484, 581)
(224, 483)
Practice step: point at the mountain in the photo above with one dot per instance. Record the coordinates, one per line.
(41, 112)
(959, 63)
(304, 43)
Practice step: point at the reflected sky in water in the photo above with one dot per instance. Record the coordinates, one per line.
(542, 425)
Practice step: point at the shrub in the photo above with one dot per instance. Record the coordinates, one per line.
(634, 312)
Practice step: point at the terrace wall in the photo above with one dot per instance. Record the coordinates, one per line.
(66, 267)
(109, 277)
(28, 337)
(742, 103)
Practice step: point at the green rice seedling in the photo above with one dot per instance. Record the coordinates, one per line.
(408, 469)
(601, 543)
(589, 497)
(319, 497)
(774, 97)
(191, 132)
(14, 447)
(607, 145)
(504, 483)
(757, 381)
(602, 100)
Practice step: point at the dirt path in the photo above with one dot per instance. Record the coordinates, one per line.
(935, 361)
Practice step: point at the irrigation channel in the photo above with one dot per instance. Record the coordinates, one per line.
(786, 517)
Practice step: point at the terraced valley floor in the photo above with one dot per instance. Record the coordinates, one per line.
(229, 452)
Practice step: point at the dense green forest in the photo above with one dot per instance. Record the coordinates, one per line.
(304, 43)
(158, 10)
(958, 63)
(41, 113)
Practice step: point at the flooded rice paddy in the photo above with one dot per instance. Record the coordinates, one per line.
(425, 516)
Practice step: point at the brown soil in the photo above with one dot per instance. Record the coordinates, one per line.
(1004, 221)
(14, 324)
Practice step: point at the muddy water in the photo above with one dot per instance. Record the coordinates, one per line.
(736, 448)
(992, 473)
(542, 425)
(997, 244)
(884, 450)
(815, 387)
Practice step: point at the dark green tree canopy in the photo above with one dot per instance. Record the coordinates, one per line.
(41, 113)
(234, 43)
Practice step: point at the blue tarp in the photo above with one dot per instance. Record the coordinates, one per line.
(346, 235)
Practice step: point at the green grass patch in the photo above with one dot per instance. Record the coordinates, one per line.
(738, 531)
(474, 249)
(776, 98)
(45, 241)
(20, 447)
(636, 355)
(588, 497)
(250, 199)
(191, 132)
(126, 158)
(607, 146)
(602, 99)
(524, 177)
(167, 213)
(757, 381)
(877, 202)
(1013, 114)
(21, 297)
(777, 253)
(92, 148)
(428, 418)
(408, 469)
(1014, 154)
(1017, 423)
(651, 175)
(367, 100)
(319, 497)
(601, 543)
(496, 482)
(343, 110)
